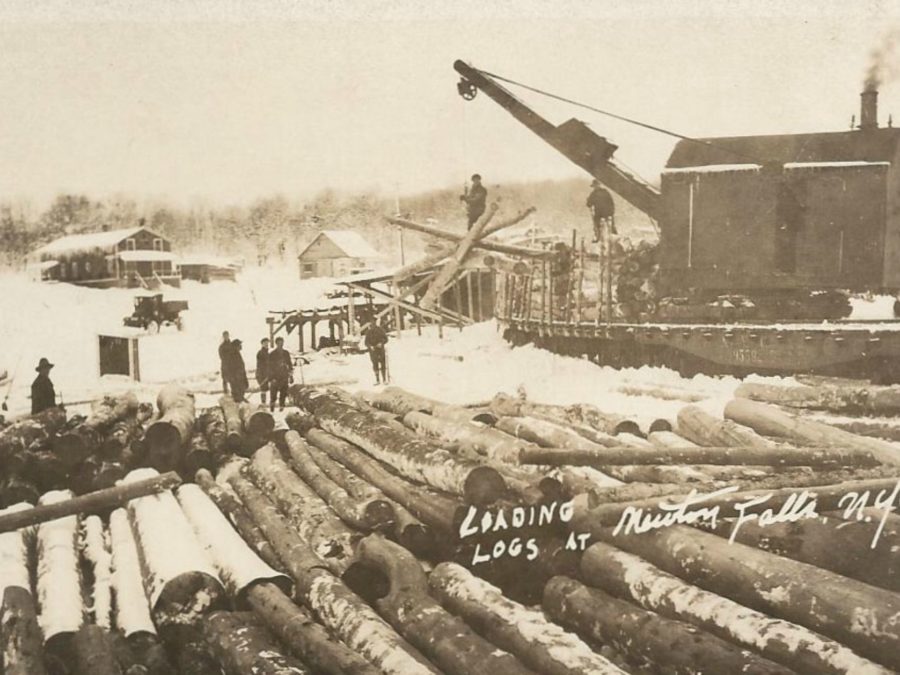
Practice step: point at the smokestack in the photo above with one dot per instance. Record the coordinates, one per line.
(868, 109)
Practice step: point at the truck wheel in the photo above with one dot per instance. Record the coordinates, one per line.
(153, 327)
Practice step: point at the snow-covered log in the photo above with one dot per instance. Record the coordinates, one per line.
(397, 401)
(34, 431)
(852, 398)
(316, 523)
(233, 425)
(664, 473)
(303, 635)
(21, 640)
(628, 576)
(96, 551)
(211, 423)
(458, 413)
(15, 488)
(697, 425)
(167, 437)
(238, 566)
(120, 436)
(132, 609)
(545, 434)
(863, 617)
(416, 459)
(407, 605)
(668, 645)
(256, 420)
(95, 502)
(434, 509)
(198, 455)
(242, 645)
(179, 578)
(525, 633)
(232, 507)
(407, 529)
(77, 443)
(504, 405)
(335, 605)
(487, 441)
(769, 420)
(95, 652)
(364, 514)
(300, 421)
(14, 552)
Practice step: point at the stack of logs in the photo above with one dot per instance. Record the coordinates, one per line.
(375, 535)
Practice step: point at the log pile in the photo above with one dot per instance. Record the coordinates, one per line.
(482, 540)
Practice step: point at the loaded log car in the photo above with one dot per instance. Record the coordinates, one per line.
(761, 239)
(151, 312)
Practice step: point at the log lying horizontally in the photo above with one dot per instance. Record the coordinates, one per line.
(398, 401)
(699, 426)
(256, 419)
(95, 502)
(444, 638)
(132, 610)
(96, 552)
(488, 245)
(669, 645)
(242, 645)
(866, 399)
(504, 405)
(167, 436)
(416, 459)
(77, 443)
(31, 431)
(627, 576)
(524, 632)
(861, 616)
(768, 420)
(180, 580)
(339, 609)
(21, 640)
(94, 651)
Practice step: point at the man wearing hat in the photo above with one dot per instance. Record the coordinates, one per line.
(236, 371)
(43, 395)
(262, 368)
(475, 199)
(603, 209)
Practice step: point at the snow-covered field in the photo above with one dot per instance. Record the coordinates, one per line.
(61, 322)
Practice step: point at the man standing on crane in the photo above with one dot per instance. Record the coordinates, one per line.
(475, 199)
(603, 209)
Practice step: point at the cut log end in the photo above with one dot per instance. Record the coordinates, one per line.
(484, 485)
(164, 445)
(188, 596)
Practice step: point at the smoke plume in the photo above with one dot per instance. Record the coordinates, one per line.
(883, 61)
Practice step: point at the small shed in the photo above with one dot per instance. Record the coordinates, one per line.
(337, 253)
(209, 268)
(133, 256)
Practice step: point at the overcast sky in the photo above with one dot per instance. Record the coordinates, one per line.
(229, 101)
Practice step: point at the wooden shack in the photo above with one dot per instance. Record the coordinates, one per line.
(337, 253)
(132, 257)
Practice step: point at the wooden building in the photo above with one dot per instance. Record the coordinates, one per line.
(779, 212)
(131, 257)
(337, 253)
(208, 268)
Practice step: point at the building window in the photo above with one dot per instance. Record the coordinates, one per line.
(309, 268)
(87, 268)
(62, 270)
(74, 269)
(130, 244)
(157, 244)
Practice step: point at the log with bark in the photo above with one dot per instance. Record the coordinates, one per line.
(95, 502)
(132, 611)
(590, 416)
(21, 640)
(545, 434)
(232, 507)
(886, 428)
(256, 420)
(488, 245)
(95, 551)
(644, 637)
(180, 580)
(74, 445)
(30, 432)
(414, 458)
(243, 645)
(394, 400)
(336, 606)
(14, 568)
(369, 515)
(850, 398)
(45, 470)
(198, 455)
(94, 652)
(436, 510)
(699, 426)
(211, 424)
(167, 437)
(300, 421)
(238, 566)
(407, 529)
(628, 576)
(189, 651)
(860, 616)
(459, 413)
(233, 426)
(122, 433)
(59, 580)
(316, 523)
(772, 421)
(407, 605)
(523, 632)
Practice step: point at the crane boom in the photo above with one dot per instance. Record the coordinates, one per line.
(574, 139)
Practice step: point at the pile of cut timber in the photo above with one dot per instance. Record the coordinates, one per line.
(392, 533)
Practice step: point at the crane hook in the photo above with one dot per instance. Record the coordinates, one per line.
(466, 89)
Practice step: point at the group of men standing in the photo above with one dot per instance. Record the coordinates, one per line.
(274, 370)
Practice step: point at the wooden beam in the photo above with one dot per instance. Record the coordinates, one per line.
(487, 245)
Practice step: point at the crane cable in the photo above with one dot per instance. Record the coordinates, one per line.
(622, 118)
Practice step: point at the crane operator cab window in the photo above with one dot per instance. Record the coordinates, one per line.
(790, 210)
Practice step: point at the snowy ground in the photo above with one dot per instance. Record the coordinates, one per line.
(61, 322)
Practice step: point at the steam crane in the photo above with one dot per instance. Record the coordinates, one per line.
(762, 240)
(573, 138)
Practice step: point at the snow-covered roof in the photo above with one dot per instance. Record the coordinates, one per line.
(145, 256)
(831, 165)
(714, 168)
(353, 244)
(87, 242)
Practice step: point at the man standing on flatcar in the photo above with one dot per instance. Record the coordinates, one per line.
(603, 209)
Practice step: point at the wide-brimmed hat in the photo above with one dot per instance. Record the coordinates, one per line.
(596, 183)
(43, 363)
(236, 343)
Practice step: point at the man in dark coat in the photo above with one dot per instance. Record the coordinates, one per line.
(475, 199)
(262, 368)
(281, 374)
(223, 356)
(375, 340)
(603, 209)
(43, 395)
(236, 371)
